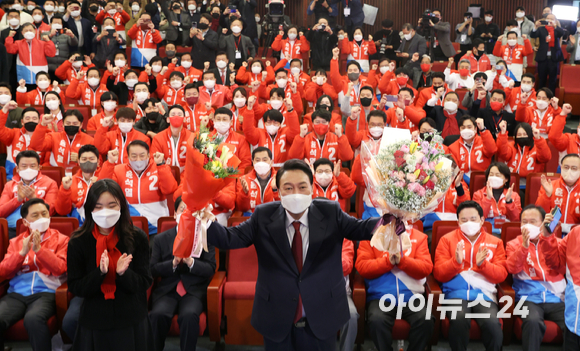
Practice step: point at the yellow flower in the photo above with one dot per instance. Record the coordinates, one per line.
(426, 179)
(439, 166)
(417, 172)
(413, 147)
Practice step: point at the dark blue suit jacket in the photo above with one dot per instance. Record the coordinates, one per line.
(87, 34)
(321, 283)
(542, 53)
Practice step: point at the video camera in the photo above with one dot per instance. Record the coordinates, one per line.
(276, 8)
(429, 16)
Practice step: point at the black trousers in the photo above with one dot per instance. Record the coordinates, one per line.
(300, 339)
(534, 328)
(571, 341)
(547, 74)
(188, 308)
(491, 333)
(381, 327)
(36, 309)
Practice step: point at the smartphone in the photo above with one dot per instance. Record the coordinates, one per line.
(193, 24)
(499, 67)
(557, 216)
(392, 98)
(398, 51)
(545, 23)
(79, 58)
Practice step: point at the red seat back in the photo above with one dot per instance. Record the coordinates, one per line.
(165, 223)
(65, 225)
(84, 110)
(54, 173)
(511, 230)
(3, 238)
(441, 228)
(461, 93)
(477, 181)
(439, 67)
(568, 75)
(554, 162)
(533, 186)
(242, 265)
(141, 223)
(2, 177)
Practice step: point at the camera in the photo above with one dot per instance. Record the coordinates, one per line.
(383, 46)
(429, 16)
(323, 27)
(276, 8)
(233, 8)
(468, 15)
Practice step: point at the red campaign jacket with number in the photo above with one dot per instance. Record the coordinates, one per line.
(355, 137)
(67, 72)
(281, 142)
(85, 94)
(75, 196)
(221, 95)
(426, 95)
(59, 144)
(333, 148)
(192, 120)
(334, 120)
(174, 155)
(313, 92)
(568, 199)
(121, 18)
(260, 109)
(531, 116)
(452, 200)
(170, 95)
(412, 115)
(264, 91)
(389, 86)
(248, 202)
(340, 189)
(106, 140)
(361, 52)
(513, 97)
(291, 51)
(15, 141)
(44, 186)
(340, 83)
(36, 97)
(532, 160)
(569, 142)
(193, 73)
(492, 209)
(95, 122)
(484, 64)
(480, 155)
(517, 53)
(238, 123)
(245, 75)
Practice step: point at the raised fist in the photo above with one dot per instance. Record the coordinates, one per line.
(113, 156)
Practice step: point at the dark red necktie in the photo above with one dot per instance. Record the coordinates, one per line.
(297, 253)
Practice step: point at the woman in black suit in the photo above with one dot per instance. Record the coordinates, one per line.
(108, 265)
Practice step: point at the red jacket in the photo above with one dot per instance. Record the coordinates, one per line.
(340, 189)
(413, 114)
(248, 202)
(334, 120)
(291, 50)
(106, 140)
(531, 116)
(340, 83)
(347, 257)
(221, 95)
(375, 77)
(121, 18)
(75, 196)
(492, 209)
(170, 95)
(355, 137)
(426, 95)
(245, 76)
(513, 98)
(484, 64)
(241, 148)
(45, 187)
(174, 152)
(524, 161)
(333, 148)
(515, 55)
(357, 52)
(563, 142)
(223, 202)
(313, 92)
(85, 94)
(95, 122)
(388, 85)
(15, 141)
(36, 97)
(67, 72)
(567, 199)
(192, 120)
(452, 199)
(478, 157)
(193, 73)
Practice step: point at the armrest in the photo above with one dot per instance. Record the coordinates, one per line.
(432, 288)
(214, 305)
(61, 297)
(505, 289)
(561, 93)
(359, 296)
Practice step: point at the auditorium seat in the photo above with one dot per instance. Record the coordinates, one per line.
(554, 162)
(65, 225)
(568, 89)
(477, 181)
(534, 185)
(141, 223)
(439, 66)
(55, 173)
(2, 178)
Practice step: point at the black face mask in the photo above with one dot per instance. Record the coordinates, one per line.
(324, 107)
(71, 130)
(30, 126)
(94, 8)
(152, 116)
(215, 15)
(176, 7)
(202, 26)
(88, 167)
(523, 141)
(427, 137)
(366, 102)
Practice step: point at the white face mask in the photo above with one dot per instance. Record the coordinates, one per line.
(156, 68)
(323, 179)
(125, 127)
(110, 28)
(14, 22)
(76, 13)
(450, 106)
(296, 203)
(384, 69)
(186, 64)
(276, 104)
(236, 29)
(61, 9)
(320, 80)
(512, 42)
(109, 105)
(191, 7)
(49, 8)
(37, 18)
(292, 36)
(77, 64)
(221, 64)
(470, 228)
(135, 8)
(340, 37)
(376, 132)
(141, 96)
(257, 19)
(520, 14)
(93, 82)
(43, 84)
(358, 37)
(175, 84)
(17, 7)
(408, 36)
(488, 18)
(295, 70)
(4, 99)
(272, 129)
(106, 218)
(53, 105)
(570, 176)
(131, 82)
(541, 104)
(526, 87)
(28, 174)
(139, 166)
(240, 102)
(29, 35)
(256, 69)
(178, 218)
(222, 127)
(209, 84)
(30, 7)
(262, 168)
(282, 82)
(56, 26)
(112, 12)
(533, 230)
(120, 63)
(495, 182)
(467, 134)
(40, 224)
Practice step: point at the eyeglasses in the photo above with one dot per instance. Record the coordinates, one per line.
(326, 171)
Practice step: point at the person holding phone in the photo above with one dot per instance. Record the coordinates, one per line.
(63, 40)
(513, 53)
(549, 54)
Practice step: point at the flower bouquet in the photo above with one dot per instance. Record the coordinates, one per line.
(209, 167)
(405, 180)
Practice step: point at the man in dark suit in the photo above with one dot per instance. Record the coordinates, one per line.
(222, 70)
(182, 289)
(9, 64)
(203, 42)
(549, 53)
(440, 46)
(493, 113)
(300, 301)
(411, 43)
(81, 28)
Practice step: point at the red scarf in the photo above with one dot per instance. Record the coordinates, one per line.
(550, 30)
(450, 127)
(109, 243)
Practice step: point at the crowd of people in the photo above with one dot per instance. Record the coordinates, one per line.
(195, 66)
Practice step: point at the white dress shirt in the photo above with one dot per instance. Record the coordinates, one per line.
(303, 231)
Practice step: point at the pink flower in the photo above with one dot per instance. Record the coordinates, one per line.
(433, 178)
(405, 148)
(429, 185)
(411, 178)
(401, 175)
(432, 165)
(400, 183)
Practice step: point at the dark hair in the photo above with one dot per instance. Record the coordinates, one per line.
(73, 112)
(273, 115)
(176, 74)
(428, 120)
(546, 91)
(408, 90)
(534, 207)
(176, 106)
(498, 91)
(277, 91)
(561, 161)
(26, 206)
(323, 161)
(477, 42)
(400, 70)
(30, 109)
(42, 73)
(480, 75)
(387, 23)
(281, 70)
(293, 165)
(108, 96)
(124, 228)
(178, 202)
(154, 58)
(88, 148)
(320, 99)
(207, 16)
(511, 32)
(27, 154)
(503, 169)
(130, 71)
(5, 85)
(190, 86)
(467, 118)
(324, 114)
(12, 11)
(242, 91)
(138, 143)
(528, 129)
(520, 8)
(257, 61)
(369, 88)
(223, 111)
(452, 93)
(296, 60)
(438, 75)
(52, 92)
(408, 26)
(261, 149)
(511, 23)
(489, 12)
(377, 113)
(528, 75)
(207, 72)
(355, 63)
(126, 112)
(469, 204)
(94, 68)
(56, 17)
